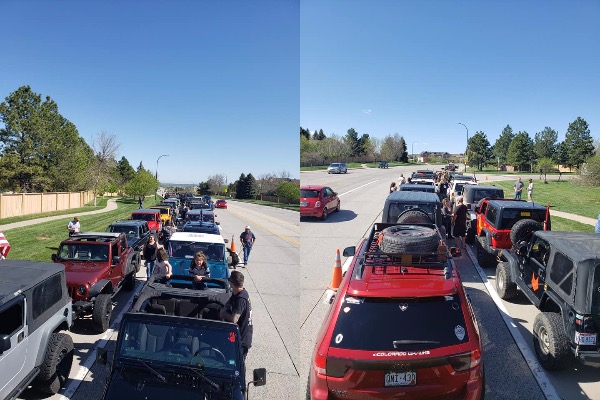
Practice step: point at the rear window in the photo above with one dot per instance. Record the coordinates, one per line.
(395, 209)
(311, 194)
(596, 292)
(487, 193)
(458, 187)
(400, 324)
(143, 217)
(510, 217)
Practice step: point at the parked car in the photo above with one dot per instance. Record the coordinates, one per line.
(152, 216)
(375, 341)
(136, 231)
(318, 201)
(417, 188)
(472, 195)
(383, 164)
(337, 168)
(35, 314)
(558, 272)
(221, 203)
(165, 213)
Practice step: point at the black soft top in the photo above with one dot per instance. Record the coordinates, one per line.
(21, 275)
(518, 204)
(129, 222)
(413, 196)
(578, 246)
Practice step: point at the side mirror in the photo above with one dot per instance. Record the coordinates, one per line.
(54, 257)
(259, 377)
(116, 260)
(349, 251)
(226, 240)
(101, 355)
(4, 343)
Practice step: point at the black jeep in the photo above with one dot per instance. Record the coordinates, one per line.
(472, 195)
(559, 272)
(408, 207)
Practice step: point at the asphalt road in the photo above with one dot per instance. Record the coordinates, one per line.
(508, 373)
(271, 280)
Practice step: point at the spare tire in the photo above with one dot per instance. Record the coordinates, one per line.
(523, 229)
(415, 216)
(409, 239)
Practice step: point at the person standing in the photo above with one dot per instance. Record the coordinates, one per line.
(199, 270)
(447, 217)
(247, 238)
(530, 190)
(460, 221)
(162, 269)
(393, 187)
(401, 180)
(443, 189)
(239, 310)
(150, 253)
(74, 226)
(518, 186)
(140, 202)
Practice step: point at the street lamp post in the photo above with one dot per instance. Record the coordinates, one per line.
(460, 123)
(156, 175)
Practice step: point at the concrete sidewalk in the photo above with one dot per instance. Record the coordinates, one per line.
(110, 206)
(574, 217)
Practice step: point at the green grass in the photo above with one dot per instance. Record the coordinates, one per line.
(566, 225)
(38, 242)
(566, 196)
(293, 207)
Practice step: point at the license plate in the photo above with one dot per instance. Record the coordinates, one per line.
(585, 338)
(401, 378)
(525, 213)
(303, 204)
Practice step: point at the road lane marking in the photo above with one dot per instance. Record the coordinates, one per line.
(291, 241)
(352, 190)
(536, 369)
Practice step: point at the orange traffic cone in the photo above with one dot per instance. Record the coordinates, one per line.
(337, 273)
(233, 244)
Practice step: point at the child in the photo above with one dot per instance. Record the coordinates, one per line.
(162, 269)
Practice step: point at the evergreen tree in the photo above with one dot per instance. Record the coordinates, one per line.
(240, 187)
(544, 143)
(579, 142)
(479, 151)
(502, 144)
(520, 152)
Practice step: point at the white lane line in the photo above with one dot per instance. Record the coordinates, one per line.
(531, 360)
(350, 191)
(84, 368)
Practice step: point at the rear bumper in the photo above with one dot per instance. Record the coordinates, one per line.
(311, 212)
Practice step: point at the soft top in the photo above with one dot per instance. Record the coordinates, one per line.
(579, 246)
(406, 195)
(129, 222)
(516, 204)
(196, 237)
(21, 275)
(94, 235)
(146, 211)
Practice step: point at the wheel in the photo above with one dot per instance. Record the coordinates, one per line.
(409, 238)
(102, 312)
(523, 229)
(337, 209)
(506, 288)
(324, 216)
(550, 342)
(484, 258)
(56, 366)
(470, 238)
(129, 282)
(138, 263)
(308, 396)
(414, 217)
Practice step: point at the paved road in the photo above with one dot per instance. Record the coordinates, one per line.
(508, 375)
(271, 280)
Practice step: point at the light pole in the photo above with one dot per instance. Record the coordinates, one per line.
(460, 123)
(156, 176)
(412, 150)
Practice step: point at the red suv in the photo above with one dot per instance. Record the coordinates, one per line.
(318, 201)
(152, 215)
(400, 324)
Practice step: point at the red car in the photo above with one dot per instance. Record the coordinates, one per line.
(318, 201)
(400, 325)
(221, 203)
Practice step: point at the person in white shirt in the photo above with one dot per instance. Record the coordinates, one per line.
(74, 226)
(530, 190)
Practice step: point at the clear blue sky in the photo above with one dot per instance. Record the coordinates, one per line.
(421, 67)
(214, 84)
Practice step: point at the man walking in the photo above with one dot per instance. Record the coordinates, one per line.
(518, 186)
(239, 310)
(247, 238)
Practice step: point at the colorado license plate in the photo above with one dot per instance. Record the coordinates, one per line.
(588, 339)
(401, 378)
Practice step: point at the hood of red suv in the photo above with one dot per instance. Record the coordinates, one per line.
(80, 273)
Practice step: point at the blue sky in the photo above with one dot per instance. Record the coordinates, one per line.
(417, 68)
(214, 84)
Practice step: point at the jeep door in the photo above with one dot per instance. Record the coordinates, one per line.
(116, 270)
(13, 358)
(533, 270)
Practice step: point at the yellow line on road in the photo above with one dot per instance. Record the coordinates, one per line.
(287, 239)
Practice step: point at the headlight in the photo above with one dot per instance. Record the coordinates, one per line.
(81, 290)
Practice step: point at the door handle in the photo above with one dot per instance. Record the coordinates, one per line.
(20, 337)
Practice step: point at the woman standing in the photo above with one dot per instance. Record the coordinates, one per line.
(150, 253)
(199, 270)
(460, 221)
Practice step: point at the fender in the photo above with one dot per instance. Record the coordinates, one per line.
(488, 238)
(129, 264)
(103, 286)
(513, 263)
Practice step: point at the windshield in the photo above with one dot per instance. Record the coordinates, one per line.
(143, 217)
(130, 231)
(205, 217)
(411, 324)
(334, 165)
(311, 194)
(83, 252)
(157, 341)
(479, 194)
(213, 251)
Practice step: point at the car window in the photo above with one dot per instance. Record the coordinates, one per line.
(46, 294)
(12, 318)
(486, 193)
(492, 213)
(410, 324)
(311, 194)
(562, 272)
(510, 217)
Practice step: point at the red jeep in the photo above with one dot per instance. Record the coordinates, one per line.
(152, 215)
(400, 324)
(97, 265)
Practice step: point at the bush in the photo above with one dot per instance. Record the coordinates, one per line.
(590, 172)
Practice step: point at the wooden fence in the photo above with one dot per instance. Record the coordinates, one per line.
(19, 204)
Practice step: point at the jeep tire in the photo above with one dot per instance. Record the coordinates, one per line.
(523, 229)
(506, 288)
(102, 312)
(414, 217)
(409, 239)
(56, 365)
(550, 341)
(129, 281)
(470, 238)
(138, 262)
(483, 252)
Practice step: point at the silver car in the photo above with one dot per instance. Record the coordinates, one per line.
(337, 168)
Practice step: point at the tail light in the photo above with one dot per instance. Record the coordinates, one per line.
(320, 363)
(585, 324)
(317, 204)
(465, 361)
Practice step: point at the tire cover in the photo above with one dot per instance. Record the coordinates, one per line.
(414, 217)
(409, 239)
(523, 229)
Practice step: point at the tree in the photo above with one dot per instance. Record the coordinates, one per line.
(288, 190)
(545, 166)
(105, 148)
(502, 144)
(240, 187)
(544, 144)
(125, 171)
(351, 140)
(142, 184)
(216, 183)
(479, 151)
(590, 173)
(393, 148)
(579, 142)
(520, 152)
(304, 133)
(204, 188)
